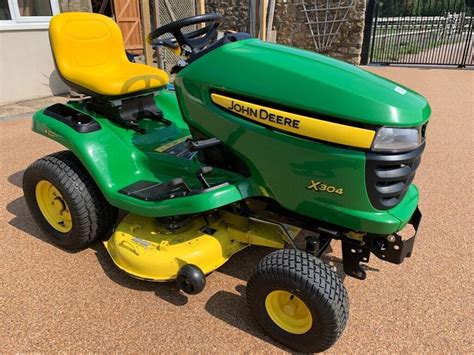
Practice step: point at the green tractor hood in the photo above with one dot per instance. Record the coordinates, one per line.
(305, 81)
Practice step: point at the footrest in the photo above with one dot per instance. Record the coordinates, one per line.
(153, 191)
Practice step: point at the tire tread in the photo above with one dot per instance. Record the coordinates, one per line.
(305, 272)
(93, 215)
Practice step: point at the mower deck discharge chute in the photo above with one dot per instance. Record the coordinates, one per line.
(254, 143)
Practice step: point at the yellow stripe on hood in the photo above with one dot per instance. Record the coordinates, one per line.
(298, 124)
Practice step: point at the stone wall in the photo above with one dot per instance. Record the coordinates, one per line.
(290, 24)
(75, 5)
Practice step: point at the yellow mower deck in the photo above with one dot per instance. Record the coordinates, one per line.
(144, 249)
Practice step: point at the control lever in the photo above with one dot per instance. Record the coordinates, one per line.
(202, 144)
(178, 182)
(200, 175)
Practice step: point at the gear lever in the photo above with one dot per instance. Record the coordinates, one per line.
(200, 175)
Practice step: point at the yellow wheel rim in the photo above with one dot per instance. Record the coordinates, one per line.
(289, 312)
(53, 207)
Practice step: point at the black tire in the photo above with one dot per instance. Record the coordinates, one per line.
(314, 283)
(92, 216)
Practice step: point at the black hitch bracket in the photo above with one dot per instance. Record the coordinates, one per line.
(392, 248)
(353, 254)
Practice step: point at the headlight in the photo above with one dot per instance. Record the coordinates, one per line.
(397, 139)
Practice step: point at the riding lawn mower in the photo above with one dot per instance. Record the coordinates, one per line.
(254, 143)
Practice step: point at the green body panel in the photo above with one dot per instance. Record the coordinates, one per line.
(116, 157)
(281, 166)
(307, 81)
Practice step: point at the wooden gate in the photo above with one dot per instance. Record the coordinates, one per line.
(127, 15)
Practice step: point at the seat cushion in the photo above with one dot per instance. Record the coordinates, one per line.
(89, 54)
(119, 79)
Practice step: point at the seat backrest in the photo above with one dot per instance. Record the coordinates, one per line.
(81, 40)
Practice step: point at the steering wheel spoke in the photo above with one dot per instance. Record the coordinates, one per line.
(191, 42)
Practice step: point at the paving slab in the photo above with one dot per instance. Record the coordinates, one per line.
(21, 108)
(55, 301)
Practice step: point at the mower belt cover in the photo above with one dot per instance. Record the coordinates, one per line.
(143, 248)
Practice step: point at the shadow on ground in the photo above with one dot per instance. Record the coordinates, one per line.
(23, 221)
(16, 179)
(232, 309)
(168, 291)
(226, 306)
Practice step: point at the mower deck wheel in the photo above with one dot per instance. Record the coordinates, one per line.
(298, 300)
(66, 202)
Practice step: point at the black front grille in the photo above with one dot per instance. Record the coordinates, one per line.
(388, 176)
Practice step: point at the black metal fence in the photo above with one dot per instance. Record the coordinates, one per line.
(436, 32)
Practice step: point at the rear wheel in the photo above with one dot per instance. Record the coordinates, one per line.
(66, 202)
(298, 300)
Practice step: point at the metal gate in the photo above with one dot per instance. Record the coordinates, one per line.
(422, 32)
(169, 11)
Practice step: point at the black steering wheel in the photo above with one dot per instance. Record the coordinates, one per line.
(191, 42)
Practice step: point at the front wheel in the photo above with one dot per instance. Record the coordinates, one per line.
(65, 201)
(298, 300)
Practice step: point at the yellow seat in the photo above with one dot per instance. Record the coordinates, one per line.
(90, 56)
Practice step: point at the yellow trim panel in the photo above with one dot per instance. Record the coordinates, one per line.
(298, 124)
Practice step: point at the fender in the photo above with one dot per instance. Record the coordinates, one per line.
(116, 157)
